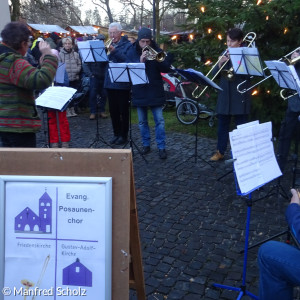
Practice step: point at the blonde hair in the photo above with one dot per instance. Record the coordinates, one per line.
(67, 39)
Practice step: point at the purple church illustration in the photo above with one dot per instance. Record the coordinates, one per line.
(28, 221)
(77, 274)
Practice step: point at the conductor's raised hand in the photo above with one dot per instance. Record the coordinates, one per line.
(45, 48)
(295, 197)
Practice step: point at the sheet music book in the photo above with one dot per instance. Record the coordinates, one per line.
(197, 77)
(255, 163)
(246, 61)
(92, 51)
(285, 76)
(128, 72)
(56, 97)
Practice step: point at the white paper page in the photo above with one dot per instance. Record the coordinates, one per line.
(248, 124)
(255, 163)
(137, 73)
(275, 66)
(249, 65)
(85, 51)
(295, 76)
(55, 97)
(60, 73)
(118, 73)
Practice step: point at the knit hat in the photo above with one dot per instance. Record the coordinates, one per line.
(145, 33)
(54, 36)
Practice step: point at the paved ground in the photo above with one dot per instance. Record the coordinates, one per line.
(192, 223)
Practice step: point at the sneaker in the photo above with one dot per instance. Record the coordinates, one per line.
(53, 145)
(217, 156)
(65, 144)
(72, 111)
(103, 115)
(162, 153)
(69, 114)
(120, 141)
(92, 116)
(145, 150)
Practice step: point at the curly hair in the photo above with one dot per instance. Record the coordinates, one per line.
(14, 33)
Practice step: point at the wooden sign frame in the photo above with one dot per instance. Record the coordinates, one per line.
(127, 267)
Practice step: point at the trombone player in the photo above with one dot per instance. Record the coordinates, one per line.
(290, 122)
(230, 102)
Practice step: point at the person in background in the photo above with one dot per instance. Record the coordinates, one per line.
(19, 120)
(279, 263)
(152, 94)
(290, 125)
(73, 67)
(97, 97)
(230, 102)
(59, 129)
(118, 92)
(53, 40)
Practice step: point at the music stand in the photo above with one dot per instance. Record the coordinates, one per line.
(254, 165)
(134, 73)
(92, 52)
(200, 79)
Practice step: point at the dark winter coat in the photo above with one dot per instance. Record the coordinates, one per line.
(230, 101)
(152, 93)
(294, 101)
(118, 56)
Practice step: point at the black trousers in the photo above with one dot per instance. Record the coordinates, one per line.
(289, 129)
(20, 140)
(119, 102)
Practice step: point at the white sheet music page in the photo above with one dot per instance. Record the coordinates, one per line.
(255, 163)
(55, 97)
(137, 73)
(118, 72)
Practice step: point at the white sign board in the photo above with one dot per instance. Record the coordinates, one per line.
(57, 237)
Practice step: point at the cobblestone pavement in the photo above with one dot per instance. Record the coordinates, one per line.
(192, 223)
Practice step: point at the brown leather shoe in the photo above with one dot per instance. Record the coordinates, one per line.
(217, 156)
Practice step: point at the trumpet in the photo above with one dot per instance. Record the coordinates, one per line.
(107, 45)
(151, 54)
(250, 39)
(284, 58)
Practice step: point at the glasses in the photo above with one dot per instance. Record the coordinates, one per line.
(113, 32)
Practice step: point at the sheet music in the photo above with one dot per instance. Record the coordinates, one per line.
(282, 74)
(60, 73)
(255, 163)
(118, 73)
(246, 61)
(55, 97)
(85, 51)
(137, 73)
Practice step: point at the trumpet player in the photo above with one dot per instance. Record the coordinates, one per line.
(118, 93)
(152, 94)
(230, 102)
(290, 122)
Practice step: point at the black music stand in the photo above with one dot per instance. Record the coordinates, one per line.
(93, 52)
(134, 73)
(200, 79)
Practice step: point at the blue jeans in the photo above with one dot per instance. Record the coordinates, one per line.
(279, 265)
(159, 126)
(223, 129)
(96, 88)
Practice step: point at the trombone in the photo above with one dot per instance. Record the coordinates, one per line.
(250, 39)
(244, 90)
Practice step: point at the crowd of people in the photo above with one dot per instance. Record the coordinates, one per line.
(65, 54)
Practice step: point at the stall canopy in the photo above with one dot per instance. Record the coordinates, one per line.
(83, 29)
(43, 28)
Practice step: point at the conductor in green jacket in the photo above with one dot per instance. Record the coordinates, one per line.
(19, 120)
